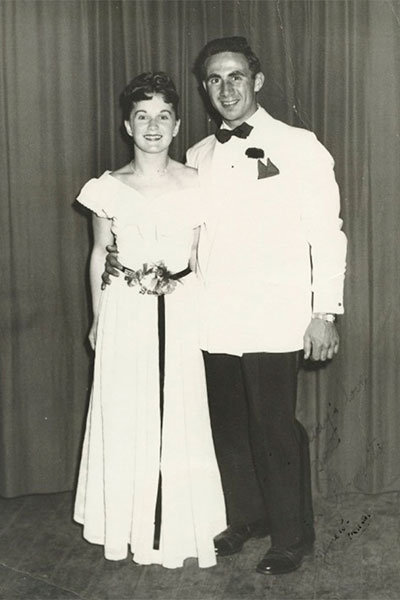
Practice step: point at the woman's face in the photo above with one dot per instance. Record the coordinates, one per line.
(152, 124)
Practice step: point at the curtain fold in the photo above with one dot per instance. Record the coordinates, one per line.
(330, 66)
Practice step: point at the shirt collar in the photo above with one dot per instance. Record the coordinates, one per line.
(254, 120)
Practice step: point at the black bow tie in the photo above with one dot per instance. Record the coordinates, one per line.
(241, 131)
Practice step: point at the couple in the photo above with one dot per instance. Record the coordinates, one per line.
(255, 215)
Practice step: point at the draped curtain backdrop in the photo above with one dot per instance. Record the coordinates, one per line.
(330, 66)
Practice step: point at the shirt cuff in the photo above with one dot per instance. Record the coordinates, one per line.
(324, 302)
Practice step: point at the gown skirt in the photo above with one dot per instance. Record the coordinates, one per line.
(127, 443)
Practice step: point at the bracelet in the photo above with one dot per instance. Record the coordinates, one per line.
(330, 317)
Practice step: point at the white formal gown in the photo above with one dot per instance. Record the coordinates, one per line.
(121, 458)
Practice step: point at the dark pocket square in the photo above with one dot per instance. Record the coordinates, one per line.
(268, 170)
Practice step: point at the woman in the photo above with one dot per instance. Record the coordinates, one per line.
(148, 474)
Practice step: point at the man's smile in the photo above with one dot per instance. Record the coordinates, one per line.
(152, 137)
(228, 103)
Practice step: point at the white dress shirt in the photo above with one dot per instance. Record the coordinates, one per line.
(272, 251)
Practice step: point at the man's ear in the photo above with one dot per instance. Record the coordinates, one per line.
(258, 81)
(128, 128)
(176, 128)
(204, 84)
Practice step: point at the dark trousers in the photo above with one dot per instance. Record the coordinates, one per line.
(262, 450)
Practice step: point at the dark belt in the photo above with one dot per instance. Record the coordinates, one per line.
(161, 363)
(161, 367)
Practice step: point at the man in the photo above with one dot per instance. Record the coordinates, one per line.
(272, 259)
(273, 215)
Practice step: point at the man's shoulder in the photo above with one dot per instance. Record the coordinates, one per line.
(203, 144)
(291, 139)
(199, 150)
(284, 129)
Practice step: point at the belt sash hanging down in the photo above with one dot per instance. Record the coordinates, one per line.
(161, 364)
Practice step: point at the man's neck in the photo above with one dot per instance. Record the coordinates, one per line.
(234, 124)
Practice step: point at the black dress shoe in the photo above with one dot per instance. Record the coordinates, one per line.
(232, 539)
(278, 561)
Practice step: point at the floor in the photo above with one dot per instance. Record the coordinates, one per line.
(43, 556)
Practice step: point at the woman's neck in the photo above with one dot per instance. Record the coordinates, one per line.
(149, 165)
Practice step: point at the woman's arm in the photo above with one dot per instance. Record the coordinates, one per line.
(102, 236)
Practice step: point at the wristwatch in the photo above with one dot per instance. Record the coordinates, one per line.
(330, 317)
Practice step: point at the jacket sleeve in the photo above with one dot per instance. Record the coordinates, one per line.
(320, 215)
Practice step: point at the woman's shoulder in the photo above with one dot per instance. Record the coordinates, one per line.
(187, 199)
(122, 171)
(186, 176)
(123, 174)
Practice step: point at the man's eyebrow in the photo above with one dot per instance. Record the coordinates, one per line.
(212, 75)
(232, 74)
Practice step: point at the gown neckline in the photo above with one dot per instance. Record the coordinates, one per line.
(151, 200)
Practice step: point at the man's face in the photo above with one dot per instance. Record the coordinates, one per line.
(231, 86)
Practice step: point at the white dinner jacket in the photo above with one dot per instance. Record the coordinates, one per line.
(272, 250)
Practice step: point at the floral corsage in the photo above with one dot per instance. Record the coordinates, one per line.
(153, 278)
(255, 153)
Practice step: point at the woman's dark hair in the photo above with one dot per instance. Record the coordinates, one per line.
(226, 44)
(143, 87)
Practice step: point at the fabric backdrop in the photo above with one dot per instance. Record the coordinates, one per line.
(330, 66)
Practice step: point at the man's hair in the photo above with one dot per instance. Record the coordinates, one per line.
(226, 44)
(143, 87)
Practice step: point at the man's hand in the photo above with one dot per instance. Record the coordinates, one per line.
(321, 340)
(112, 265)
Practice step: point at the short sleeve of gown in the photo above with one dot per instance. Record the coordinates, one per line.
(96, 196)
